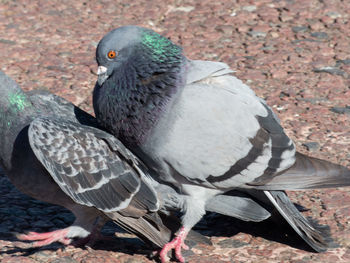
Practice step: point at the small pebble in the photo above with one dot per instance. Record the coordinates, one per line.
(319, 35)
(341, 110)
(311, 146)
(257, 34)
(300, 29)
(249, 8)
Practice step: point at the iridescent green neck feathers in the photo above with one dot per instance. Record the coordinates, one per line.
(161, 48)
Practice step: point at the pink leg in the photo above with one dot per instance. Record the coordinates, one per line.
(177, 243)
(43, 239)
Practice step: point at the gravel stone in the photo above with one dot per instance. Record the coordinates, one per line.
(311, 146)
(300, 29)
(319, 35)
(333, 14)
(232, 243)
(344, 61)
(331, 70)
(7, 42)
(19, 259)
(249, 8)
(257, 34)
(64, 260)
(341, 110)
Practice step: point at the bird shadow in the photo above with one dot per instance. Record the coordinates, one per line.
(274, 229)
(42, 217)
(20, 213)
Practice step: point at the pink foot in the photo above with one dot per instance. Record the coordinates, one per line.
(177, 243)
(43, 239)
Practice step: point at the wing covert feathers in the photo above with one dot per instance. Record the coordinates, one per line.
(86, 167)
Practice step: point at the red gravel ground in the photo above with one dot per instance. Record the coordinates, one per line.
(293, 53)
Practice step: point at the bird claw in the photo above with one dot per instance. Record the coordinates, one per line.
(43, 239)
(185, 247)
(177, 243)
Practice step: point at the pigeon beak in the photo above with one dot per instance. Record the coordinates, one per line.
(102, 75)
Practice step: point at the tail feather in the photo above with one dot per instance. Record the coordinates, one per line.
(148, 228)
(314, 235)
(307, 173)
(155, 228)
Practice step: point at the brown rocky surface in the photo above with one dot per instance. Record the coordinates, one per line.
(294, 53)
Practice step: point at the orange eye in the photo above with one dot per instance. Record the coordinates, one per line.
(112, 54)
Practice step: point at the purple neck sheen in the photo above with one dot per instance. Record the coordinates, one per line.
(130, 103)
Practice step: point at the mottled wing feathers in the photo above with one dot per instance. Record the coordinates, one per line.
(82, 162)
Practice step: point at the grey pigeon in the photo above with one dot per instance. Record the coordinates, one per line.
(97, 181)
(52, 151)
(201, 129)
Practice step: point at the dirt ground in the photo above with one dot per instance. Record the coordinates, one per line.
(293, 53)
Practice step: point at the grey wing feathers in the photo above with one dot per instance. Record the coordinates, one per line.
(282, 147)
(84, 165)
(269, 157)
(306, 173)
(252, 141)
(201, 69)
(312, 234)
(269, 140)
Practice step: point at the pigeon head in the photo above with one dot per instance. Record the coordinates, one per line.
(139, 71)
(8, 93)
(141, 48)
(15, 113)
(13, 101)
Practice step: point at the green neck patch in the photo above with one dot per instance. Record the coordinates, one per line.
(18, 101)
(162, 49)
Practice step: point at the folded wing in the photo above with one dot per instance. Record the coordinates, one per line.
(89, 165)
